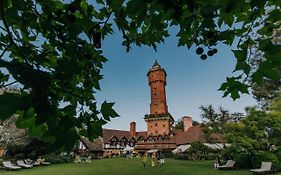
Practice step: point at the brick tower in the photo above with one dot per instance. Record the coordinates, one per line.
(159, 121)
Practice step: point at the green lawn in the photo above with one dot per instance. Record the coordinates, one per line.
(122, 166)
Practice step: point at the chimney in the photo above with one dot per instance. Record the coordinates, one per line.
(187, 122)
(133, 128)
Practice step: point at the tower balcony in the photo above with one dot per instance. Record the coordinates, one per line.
(160, 116)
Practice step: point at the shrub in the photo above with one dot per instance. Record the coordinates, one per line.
(265, 157)
(168, 154)
(208, 157)
(243, 160)
(182, 156)
(278, 153)
(19, 156)
(229, 153)
(55, 159)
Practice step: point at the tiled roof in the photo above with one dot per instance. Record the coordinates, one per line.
(92, 146)
(193, 134)
(110, 133)
(141, 133)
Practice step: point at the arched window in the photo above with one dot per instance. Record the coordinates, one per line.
(150, 139)
(113, 141)
(172, 133)
(159, 137)
(132, 142)
(123, 142)
(166, 137)
(141, 139)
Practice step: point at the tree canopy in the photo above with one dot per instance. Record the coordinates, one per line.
(53, 50)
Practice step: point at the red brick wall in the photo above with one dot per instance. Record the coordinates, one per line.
(157, 83)
(158, 104)
(159, 127)
(133, 128)
(187, 122)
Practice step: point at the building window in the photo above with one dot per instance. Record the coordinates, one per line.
(132, 142)
(113, 143)
(154, 94)
(150, 139)
(140, 139)
(122, 144)
(155, 124)
(164, 125)
(156, 131)
(155, 105)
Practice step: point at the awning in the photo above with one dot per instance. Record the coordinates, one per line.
(217, 146)
(181, 148)
(152, 150)
(128, 148)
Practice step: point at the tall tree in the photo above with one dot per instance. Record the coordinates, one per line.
(255, 138)
(268, 89)
(216, 121)
(179, 124)
(53, 50)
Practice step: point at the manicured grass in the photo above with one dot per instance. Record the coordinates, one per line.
(122, 166)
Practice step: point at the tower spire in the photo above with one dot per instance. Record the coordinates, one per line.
(156, 64)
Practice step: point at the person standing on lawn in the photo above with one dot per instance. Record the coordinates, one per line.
(144, 160)
(161, 161)
(153, 159)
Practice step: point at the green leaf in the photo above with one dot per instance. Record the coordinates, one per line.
(107, 111)
(94, 129)
(26, 120)
(272, 74)
(226, 18)
(69, 110)
(84, 6)
(232, 86)
(10, 103)
(223, 86)
(240, 55)
(100, 1)
(243, 66)
(257, 3)
(274, 16)
(3, 77)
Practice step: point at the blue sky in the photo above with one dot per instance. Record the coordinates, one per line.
(191, 82)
